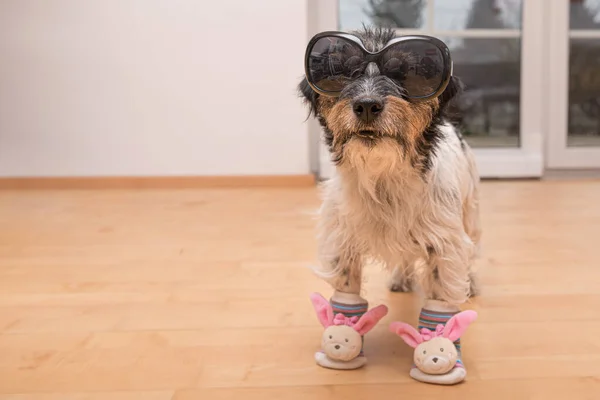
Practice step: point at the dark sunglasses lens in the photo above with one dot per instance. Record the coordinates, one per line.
(417, 65)
(332, 62)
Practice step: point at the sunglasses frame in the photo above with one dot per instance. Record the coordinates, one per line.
(377, 56)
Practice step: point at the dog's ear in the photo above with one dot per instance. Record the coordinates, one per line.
(453, 90)
(309, 96)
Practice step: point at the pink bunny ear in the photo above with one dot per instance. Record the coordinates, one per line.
(458, 324)
(369, 319)
(409, 334)
(323, 309)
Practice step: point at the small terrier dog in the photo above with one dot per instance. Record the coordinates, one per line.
(405, 187)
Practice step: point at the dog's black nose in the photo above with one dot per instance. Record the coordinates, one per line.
(337, 346)
(434, 359)
(367, 109)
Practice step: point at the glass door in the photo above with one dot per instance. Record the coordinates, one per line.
(574, 84)
(496, 46)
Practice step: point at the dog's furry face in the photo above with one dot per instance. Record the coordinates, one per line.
(398, 134)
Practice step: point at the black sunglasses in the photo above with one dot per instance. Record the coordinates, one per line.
(420, 65)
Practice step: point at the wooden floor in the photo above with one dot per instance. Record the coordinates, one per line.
(203, 294)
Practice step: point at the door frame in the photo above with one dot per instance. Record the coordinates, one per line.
(559, 154)
(525, 161)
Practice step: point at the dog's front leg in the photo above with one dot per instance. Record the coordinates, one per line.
(343, 272)
(347, 315)
(447, 275)
(447, 285)
(339, 255)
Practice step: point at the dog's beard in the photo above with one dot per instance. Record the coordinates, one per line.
(372, 156)
(383, 153)
(371, 165)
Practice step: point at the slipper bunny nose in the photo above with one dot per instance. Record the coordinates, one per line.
(337, 346)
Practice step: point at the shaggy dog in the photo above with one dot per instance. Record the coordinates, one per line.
(405, 187)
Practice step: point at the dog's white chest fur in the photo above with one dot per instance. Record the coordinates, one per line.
(390, 212)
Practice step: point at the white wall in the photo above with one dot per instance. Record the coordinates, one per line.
(152, 87)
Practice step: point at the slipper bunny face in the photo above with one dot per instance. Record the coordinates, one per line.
(341, 343)
(435, 352)
(436, 356)
(342, 338)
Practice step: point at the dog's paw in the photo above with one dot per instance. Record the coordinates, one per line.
(400, 281)
(400, 285)
(474, 287)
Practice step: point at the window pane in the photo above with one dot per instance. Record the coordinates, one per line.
(584, 92)
(477, 14)
(489, 108)
(584, 14)
(409, 14)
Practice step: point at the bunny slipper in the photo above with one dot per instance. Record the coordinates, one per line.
(341, 344)
(437, 357)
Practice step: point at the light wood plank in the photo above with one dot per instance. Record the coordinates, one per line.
(154, 182)
(91, 396)
(203, 294)
(529, 389)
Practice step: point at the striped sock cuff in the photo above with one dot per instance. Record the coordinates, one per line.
(349, 310)
(430, 319)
